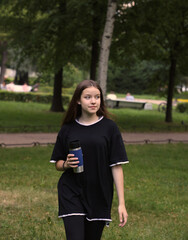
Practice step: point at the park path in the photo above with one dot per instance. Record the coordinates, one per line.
(150, 101)
(32, 139)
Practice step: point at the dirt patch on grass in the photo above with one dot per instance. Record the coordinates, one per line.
(8, 198)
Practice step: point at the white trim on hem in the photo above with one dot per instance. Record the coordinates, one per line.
(83, 214)
(90, 220)
(72, 214)
(99, 219)
(119, 163)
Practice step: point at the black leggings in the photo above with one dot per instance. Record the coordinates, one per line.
(78, 228)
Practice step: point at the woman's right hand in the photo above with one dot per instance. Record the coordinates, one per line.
(71, 161)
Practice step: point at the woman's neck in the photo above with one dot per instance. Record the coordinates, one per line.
(88, 119)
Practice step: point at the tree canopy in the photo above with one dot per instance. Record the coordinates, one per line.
(154, 30)
(149, 45)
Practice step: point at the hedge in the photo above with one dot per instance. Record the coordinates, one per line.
(30, 97)
(182, 107)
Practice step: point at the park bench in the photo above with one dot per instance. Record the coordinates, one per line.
(122, 103)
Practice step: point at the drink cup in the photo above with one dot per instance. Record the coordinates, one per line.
(75, 148)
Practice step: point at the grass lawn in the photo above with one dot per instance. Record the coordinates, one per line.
(36, 117)
(21, 115)
(132, 120)
(156, 185)
(142, 96)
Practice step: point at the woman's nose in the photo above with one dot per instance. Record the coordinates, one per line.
(93, 100)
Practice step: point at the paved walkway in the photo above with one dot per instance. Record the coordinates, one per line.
(150, 101)
(31, 139)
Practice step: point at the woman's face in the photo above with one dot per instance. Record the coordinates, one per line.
(90, 100)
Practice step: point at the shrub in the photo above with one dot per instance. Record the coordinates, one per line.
(30, 97)
(183, 95)
(182, 107)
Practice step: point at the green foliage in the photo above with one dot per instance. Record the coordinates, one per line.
(29, 97)
(155, 30)
(142, 77)
(46, 78)
(68, 91)
(65, 91)
(53, 33)
(72, 76)
(155, 194)
(182, 107)
(183, 95)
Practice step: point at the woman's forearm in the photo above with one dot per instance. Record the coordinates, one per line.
(117, 173)
(71, 162)
(60, 165)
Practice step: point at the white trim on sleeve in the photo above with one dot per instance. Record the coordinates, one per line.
(52, 161)
(119, 163)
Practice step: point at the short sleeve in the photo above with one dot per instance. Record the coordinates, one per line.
(118, 153)
(60, 149)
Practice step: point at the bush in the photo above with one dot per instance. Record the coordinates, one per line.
(182, 107)
(183, 95)
(30, 97)
(48, 89)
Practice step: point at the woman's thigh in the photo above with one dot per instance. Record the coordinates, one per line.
(78, 228)
(74, 227)
(93, 230)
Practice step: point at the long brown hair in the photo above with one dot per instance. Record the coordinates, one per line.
(74, 110)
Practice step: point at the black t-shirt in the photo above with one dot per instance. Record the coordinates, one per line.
(89, 193)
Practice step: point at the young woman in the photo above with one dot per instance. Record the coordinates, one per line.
(85, 198)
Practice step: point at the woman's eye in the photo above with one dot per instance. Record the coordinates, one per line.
(87, 97)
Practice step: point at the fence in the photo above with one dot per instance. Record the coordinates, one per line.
(145, 141)
(55, 128)
(29, 128)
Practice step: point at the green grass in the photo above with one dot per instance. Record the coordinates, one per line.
(36, 117)
(148, 121)
(22, 115)
(156, 184)
(142, 96)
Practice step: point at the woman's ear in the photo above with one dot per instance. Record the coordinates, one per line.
(79, 102)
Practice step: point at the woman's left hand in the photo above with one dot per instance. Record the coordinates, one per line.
(122, 215)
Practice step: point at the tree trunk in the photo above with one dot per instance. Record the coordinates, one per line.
(94, 59)
(96, 21)
(21, 77)
(57, 92)
(16, 77)
(105, 44)
(171, 82)
(3, 62)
